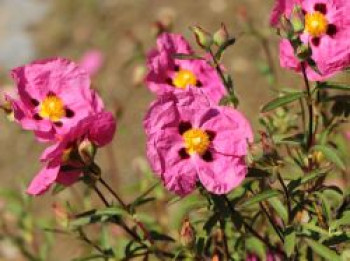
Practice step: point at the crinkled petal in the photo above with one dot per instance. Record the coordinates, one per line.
(232, 131)
(102, 128)
(181, 178)
(163, 152)
(222, 174)
(161, 114)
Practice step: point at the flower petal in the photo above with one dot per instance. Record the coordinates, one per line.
(232, 130)
(44, 179)
(68, 178)
(222, 174)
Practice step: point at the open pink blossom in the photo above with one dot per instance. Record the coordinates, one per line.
(54, 95)
(92, 61)
(327, 31)
(61, 159)
(168, 74)
(189, 140)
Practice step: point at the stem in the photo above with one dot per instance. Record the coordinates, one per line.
(251, 229)
(220, 72)
(157, 252)
(122, 223)
(115, 195)
(101, 196)
(84, 237)
(272, 223)
(289, 206)
(310, 139)
(222, 227)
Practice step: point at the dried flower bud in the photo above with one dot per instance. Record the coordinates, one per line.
(187, 234)
(302, 217)
(87, 151)
(221, 36)
(203, 38)
(61, 215)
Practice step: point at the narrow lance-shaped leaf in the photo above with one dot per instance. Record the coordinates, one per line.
(289, 241)
(281, 101)
(323, 251)
(334, 86)
(279, 208)
(260, 197)
(330, 154)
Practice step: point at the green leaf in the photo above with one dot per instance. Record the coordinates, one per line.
(281, 101)
(255, 246)
(289, 241)
(325, 207)
(139, 202)
(334, 86)
(260, 197)
(343, 220)
(92, 257)
(279, 208)
(160, 237)
(331, 154)
(322, 250)
(58, 188)
(317, 229)
(111, 211)
(211, 222)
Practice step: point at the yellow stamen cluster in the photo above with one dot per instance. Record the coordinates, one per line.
(52, 108)
(316, 24)
(196, 141)
(183, 78)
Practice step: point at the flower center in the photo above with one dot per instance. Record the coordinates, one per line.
(196, 141)
(183, 78)
(316, 24)
(52, 108)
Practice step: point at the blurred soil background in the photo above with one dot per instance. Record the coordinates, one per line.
(31, 29)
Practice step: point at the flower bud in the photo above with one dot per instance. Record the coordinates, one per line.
(317, 157)
(298, 19)
(286, 28)
(221, 36)
(303, 52)
(87, 151)
(203, 38)
(187, 234)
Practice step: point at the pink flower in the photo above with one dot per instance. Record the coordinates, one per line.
(92, 61)
(54, 95)
(169, 74)
(327, 30)
(190, 140)
(62, 159)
